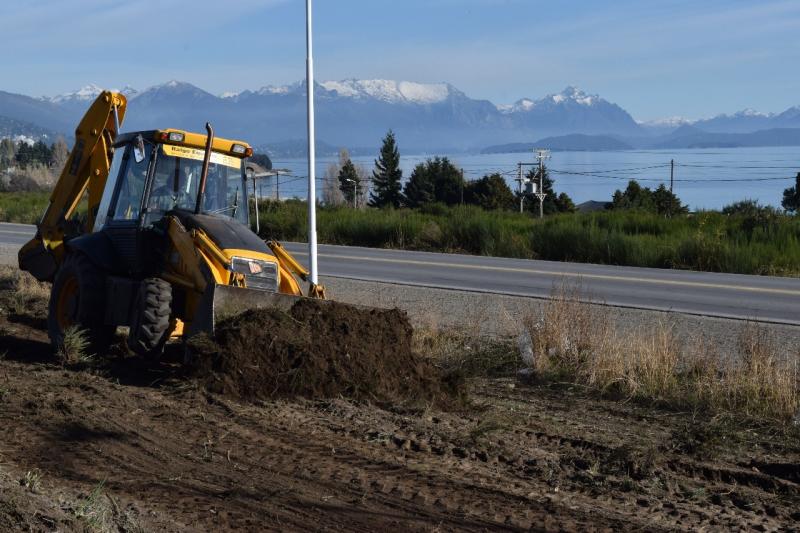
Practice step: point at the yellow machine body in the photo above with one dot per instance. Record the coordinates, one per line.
(147, 264)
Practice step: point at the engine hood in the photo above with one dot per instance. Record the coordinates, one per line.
(226, 233)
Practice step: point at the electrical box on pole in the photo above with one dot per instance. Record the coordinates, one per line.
(541, 156)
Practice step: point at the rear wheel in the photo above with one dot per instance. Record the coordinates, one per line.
(78, 299)
(150, 323)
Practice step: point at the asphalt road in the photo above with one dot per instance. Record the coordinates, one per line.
(760, 298)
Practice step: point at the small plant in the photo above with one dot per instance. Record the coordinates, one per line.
(74, 346)
(91, 508)
(32, 480)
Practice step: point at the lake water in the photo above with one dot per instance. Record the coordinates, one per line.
(704, 178)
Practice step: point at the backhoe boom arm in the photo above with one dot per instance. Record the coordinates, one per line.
(87, 168)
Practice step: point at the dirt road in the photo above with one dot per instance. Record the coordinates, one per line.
(123, 445)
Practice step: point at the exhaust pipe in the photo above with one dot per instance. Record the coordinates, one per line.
(206, 159)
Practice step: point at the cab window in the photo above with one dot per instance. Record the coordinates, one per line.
(131, 187)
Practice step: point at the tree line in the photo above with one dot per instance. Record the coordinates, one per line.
(439, 181)
(30, 166)
(24, 155)
(436, 181)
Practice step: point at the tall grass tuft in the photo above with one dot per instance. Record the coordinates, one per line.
(575, 342)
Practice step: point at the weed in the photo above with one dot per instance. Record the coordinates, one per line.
(489, 424)
(73, 348)
(627, 484)
(32, 480)
(91, 508)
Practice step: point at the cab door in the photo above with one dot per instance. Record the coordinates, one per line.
(125, 208)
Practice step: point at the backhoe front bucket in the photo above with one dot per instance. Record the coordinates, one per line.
(222, 301)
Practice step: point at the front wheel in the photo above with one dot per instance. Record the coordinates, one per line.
(77, 300)
(150, 324)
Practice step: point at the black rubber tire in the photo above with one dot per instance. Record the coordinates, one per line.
(149, 329)
(87, 309)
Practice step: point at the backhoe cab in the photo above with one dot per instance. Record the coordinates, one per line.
(166, 239)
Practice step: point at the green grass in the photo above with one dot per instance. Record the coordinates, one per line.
(708, 241)
(22, 207)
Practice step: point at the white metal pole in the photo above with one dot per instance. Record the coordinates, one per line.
(312, 190)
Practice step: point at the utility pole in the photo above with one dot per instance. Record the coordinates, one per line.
(462, 186)
(519, 182)
(671, 173)
(541, 155)
(255, 199)
(355, 191)
(312, 155)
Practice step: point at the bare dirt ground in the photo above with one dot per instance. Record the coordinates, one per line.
(119, 444)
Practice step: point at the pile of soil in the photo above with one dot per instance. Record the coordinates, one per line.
(319, 349)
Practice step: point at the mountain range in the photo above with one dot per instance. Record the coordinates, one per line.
(427, 118)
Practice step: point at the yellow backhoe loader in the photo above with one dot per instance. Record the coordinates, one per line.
(151, 230)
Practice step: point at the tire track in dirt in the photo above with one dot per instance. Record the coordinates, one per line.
(519, 457)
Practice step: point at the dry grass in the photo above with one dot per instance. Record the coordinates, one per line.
(576, 342)
(93, 510)
(464, 351)
(21, 294)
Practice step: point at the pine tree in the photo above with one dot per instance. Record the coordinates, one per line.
(350, 183)
(661, 201)
(24, 155)
(387, 176)
(436, 180)
(420, 188)
(490, 192)
(791, 197)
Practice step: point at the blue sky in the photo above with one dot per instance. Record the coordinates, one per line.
(656, 58)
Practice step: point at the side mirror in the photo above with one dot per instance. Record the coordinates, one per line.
(138, 149)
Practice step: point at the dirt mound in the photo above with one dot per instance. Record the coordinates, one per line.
(319, 349)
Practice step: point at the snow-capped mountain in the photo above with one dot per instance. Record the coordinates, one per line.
(390, 91)
(571, 111)
(743, 121)
(664, 126)
(668, 122)
(87, 93)
(571, 96)
(427, 117)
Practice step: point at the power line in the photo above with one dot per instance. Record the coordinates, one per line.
(684, 180)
